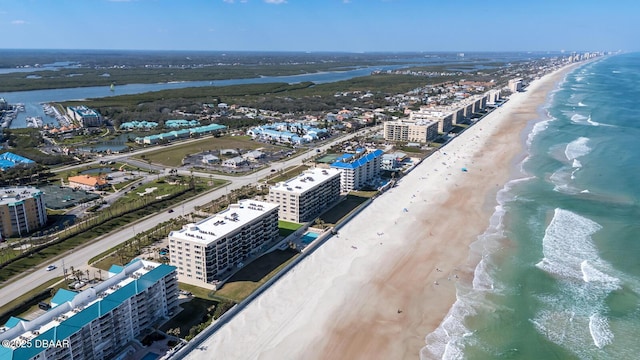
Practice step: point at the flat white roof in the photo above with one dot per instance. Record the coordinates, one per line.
(213, 228)
(15, 194)
(306, 181)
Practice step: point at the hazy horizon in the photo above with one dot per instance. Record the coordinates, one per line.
(348, 26)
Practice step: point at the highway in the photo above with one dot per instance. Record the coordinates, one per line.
(79, 257)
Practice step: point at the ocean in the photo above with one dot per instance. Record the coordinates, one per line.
(559, 269)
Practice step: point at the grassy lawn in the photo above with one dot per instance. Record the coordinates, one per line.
(173, 155)
(287, 174)
(366, 194)
(26, 296)
(342, 209)
(55, 286)
(193, 313)
(287, 228)
(249, 278)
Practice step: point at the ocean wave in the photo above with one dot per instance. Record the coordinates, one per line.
(561, 179)
(538, 128)
(447, 341)
(567, 243)
(581, 104)
(585, 282)
(577, 148)
(600, 331)
(576, 163)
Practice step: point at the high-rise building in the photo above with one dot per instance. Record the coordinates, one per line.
(305, 196)
(98, 322)
(22, 210)
(358, 170)
(515, 85)
(206, 251)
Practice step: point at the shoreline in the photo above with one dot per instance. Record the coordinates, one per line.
(389, 277)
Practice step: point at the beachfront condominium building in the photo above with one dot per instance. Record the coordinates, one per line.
(408, 130)
(359, 169)
(515, 85)
(305, 196)
(85, 116)
(100, 322)
(444, 119)
(493, 96)
(22, 210)
(208, 250)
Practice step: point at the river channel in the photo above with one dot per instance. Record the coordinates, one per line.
(34, 99)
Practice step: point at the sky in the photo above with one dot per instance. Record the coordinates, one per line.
(321, 25)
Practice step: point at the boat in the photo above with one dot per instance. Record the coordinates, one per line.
(34, 122)
(112, 87)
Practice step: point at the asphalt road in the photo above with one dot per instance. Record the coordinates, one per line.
(79, 257)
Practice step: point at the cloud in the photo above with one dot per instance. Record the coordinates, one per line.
(18, 22)
(276, 2)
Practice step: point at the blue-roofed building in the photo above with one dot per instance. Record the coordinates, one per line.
(180, 134)
(138, 125)
(99, 322)
(62, 296)
(9, 160)
(359, 169)
(292, 133)
(180, 123)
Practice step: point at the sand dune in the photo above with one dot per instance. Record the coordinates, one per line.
(388, 278)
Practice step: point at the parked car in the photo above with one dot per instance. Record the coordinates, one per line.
(170, 211)
(51, 267)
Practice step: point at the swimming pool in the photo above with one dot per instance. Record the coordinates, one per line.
(307, 238)
(151, 356)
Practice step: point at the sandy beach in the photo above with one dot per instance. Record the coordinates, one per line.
(389, 277)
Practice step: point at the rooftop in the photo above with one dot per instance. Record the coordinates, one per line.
(9, 159)
(354, 162)
(16, 194)
(213, 228)
(67, 318)
(307, 180)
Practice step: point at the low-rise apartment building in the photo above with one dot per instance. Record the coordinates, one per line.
(305, 196)
(206, 251)
(413, 131)
(444, 119)
(99, 322)
(85, 116)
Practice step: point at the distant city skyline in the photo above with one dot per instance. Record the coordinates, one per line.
(320, 25)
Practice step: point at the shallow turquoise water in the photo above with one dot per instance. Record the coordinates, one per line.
(560, 276)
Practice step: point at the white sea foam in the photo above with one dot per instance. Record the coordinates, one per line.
(578, 119)
(576, 163)
(562, 179)
(591, 274)
(580, 103)
(577, 148)
(585, 279)
(616, 71)
(538, 128)
(567, 243)
(600, 331)
(447, 341)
